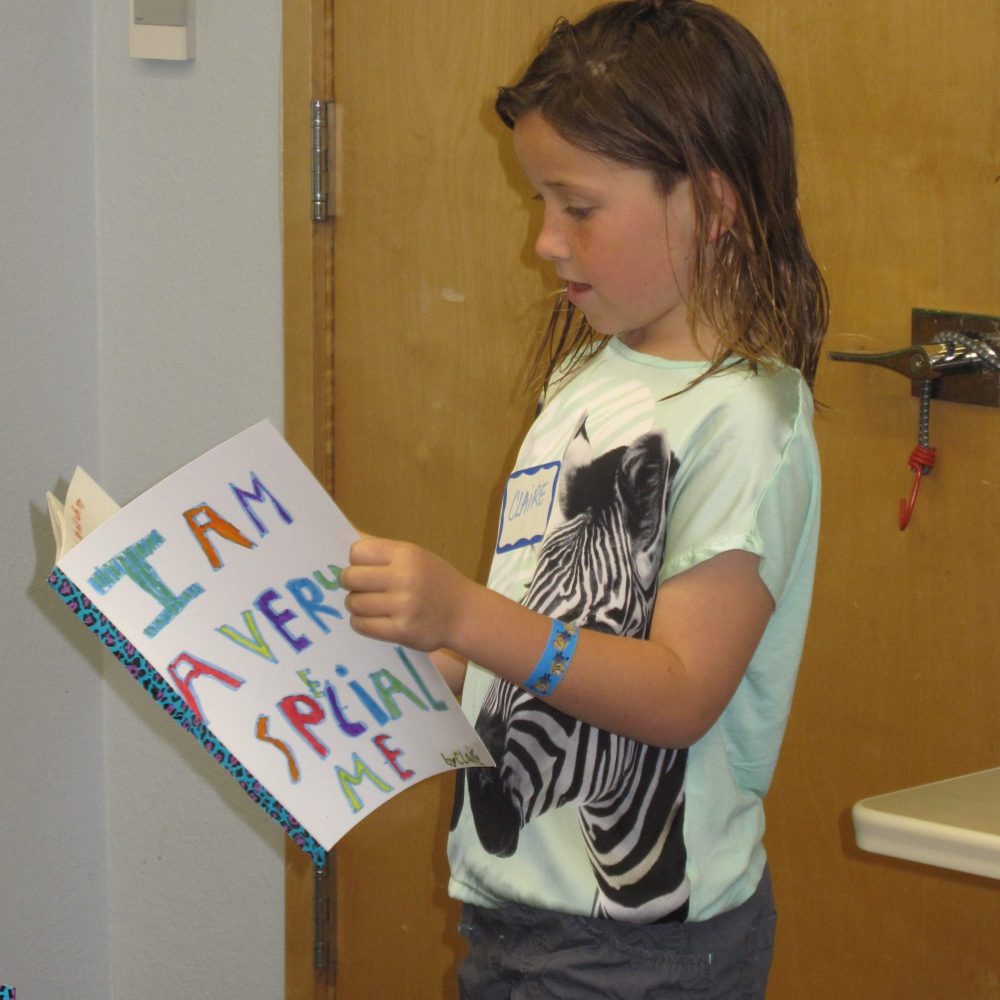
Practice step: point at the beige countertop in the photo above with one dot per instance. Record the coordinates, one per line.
(952, 824)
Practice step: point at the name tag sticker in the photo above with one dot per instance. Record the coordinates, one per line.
(527, 506)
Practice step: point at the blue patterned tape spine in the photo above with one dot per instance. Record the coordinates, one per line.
(174, 705)
(7, 993)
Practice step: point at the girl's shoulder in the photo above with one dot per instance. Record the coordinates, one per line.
(773, 388)
(772, 402)
(739, 401)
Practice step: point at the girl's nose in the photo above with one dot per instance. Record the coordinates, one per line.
(551, 242)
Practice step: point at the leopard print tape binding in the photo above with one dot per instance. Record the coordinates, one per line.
(172, 703)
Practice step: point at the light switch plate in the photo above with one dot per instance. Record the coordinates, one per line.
(161, 13)
(161, 29)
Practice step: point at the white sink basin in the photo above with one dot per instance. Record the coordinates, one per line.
(952, 824)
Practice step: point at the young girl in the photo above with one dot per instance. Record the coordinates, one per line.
(631, 662)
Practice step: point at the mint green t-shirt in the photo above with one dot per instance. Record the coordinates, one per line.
(618, 486)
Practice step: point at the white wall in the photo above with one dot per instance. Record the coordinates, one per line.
(140, 315)
(53, 871)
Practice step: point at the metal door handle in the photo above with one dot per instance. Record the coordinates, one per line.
(920, 361)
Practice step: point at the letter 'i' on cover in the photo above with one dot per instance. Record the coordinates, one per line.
(219, 591)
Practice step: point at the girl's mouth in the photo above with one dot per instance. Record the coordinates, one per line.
(576, 290)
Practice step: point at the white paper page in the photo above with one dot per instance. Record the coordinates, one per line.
(87, 507)
(225, 577)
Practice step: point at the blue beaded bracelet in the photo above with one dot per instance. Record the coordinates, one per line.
(555, 659)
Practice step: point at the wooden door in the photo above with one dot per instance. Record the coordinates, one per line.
(433, 319)
(897, 114)
(436, 304)
(897, 108)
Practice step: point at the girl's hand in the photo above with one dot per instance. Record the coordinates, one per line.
(402, 593)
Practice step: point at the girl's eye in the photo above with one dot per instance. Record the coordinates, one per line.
(579, 211)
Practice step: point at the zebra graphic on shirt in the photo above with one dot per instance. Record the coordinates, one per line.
(597, 569)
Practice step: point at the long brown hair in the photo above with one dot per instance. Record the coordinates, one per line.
(681, 89)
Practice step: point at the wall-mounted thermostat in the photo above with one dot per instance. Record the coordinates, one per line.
(161, 29)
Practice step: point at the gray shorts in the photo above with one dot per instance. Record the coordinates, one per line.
(518, 952)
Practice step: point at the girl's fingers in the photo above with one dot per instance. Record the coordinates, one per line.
(370, 551)
(373, 628)
(368, 604)
(362, 578)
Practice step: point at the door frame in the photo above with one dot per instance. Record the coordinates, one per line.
(307, 258)
(307, 247)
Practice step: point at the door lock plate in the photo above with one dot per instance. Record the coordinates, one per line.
(981, 388)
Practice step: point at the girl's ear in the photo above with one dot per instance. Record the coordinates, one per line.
(725, 206)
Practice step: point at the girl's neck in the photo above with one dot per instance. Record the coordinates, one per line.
(698, 345)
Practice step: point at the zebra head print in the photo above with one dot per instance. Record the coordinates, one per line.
(598, 568)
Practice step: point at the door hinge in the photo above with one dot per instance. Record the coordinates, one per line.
(325, 918)
(324, 160)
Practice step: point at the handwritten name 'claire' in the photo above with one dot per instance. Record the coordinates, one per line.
(525, 501)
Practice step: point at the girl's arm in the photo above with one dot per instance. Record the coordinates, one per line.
(667, 691)
(451, 667)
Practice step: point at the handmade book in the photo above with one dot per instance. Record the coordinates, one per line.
(219, 591)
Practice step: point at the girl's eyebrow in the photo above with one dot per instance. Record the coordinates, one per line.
(570, 187)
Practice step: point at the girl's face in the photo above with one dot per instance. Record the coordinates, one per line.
(623, 249)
